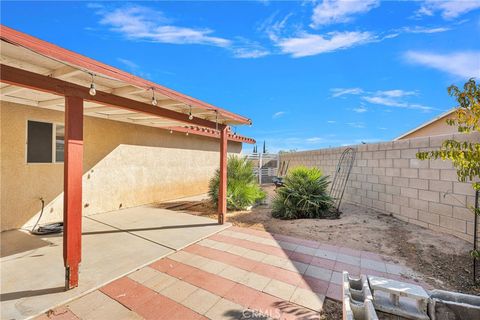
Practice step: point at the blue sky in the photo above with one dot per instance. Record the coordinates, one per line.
(310, 74)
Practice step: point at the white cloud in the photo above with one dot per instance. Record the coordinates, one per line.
(338, 92)
(94, 5)
(307, 44)
(427, 30)
(449, 9)
(130, 64)
(395, 98)
(250, 53)
(360, 109)
(331, 121)
(245, 48)
(134, 68)
(391, 98)
(339, 11)
(396, 93)
(142, 23)
(358, 125)
(278, 114)
(395, 102)
(315, 139)
(464, 64)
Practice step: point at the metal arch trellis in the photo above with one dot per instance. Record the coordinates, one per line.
(342, 173)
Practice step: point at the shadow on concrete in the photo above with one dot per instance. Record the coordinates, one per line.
(29, 293)
(16, 241)
(147, 229)
(289, 308)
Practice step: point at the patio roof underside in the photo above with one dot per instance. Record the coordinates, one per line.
(21, 57)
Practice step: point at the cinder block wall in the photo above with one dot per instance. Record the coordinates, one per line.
(388, 177)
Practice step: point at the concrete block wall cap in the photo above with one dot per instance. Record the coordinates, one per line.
(456, 297)
(397, 287)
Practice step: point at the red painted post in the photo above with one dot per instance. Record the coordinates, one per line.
(72, 184)
(222, 189)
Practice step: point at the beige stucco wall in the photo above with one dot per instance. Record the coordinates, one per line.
(438, 127)
(125, 165)
(388, 177)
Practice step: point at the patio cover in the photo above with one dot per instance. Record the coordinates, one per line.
(37, 73)
(23, 52)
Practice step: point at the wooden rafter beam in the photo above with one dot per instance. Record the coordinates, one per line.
(97, 109)
(20, 100)
(211, 133)
(35, 81)
(52, 102)
(127, 90)
(10, 90)
(61, 73)
(65, 72)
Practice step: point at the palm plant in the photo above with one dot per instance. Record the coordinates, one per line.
(242, 189)
(304, 195)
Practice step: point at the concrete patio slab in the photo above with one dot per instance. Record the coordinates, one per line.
(114, 244)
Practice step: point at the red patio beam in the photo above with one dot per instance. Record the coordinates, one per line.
(222, 188)
(72, 197)
(77, 60)
(212, 133)
(35, 81)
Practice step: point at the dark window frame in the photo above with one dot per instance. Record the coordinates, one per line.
(54, 126)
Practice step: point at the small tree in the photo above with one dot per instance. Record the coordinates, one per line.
(465, 156)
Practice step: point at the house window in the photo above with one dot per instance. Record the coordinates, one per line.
(59, 142)
(45, 142)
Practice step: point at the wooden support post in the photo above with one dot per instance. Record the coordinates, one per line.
(222, 188)
(72, 179)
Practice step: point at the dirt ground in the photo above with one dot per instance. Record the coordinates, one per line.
(440, 260)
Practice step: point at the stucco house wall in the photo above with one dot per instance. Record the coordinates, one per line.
(388, 177)
(125, 165)
(437, 127)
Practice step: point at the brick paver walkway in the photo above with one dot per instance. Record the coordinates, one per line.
(238, 273)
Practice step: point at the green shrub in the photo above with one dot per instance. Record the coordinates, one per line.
(304, 195)
(243, 190)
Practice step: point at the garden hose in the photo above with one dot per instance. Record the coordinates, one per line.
(56, 227)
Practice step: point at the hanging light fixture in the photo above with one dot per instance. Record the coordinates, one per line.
(186, 133)
(154, 101)
(190, 115)
(171, 131)
(92, 90)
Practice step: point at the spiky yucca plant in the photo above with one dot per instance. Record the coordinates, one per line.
(243, 190)
(304, 195)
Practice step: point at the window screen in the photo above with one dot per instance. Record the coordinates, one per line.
(39, 143)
